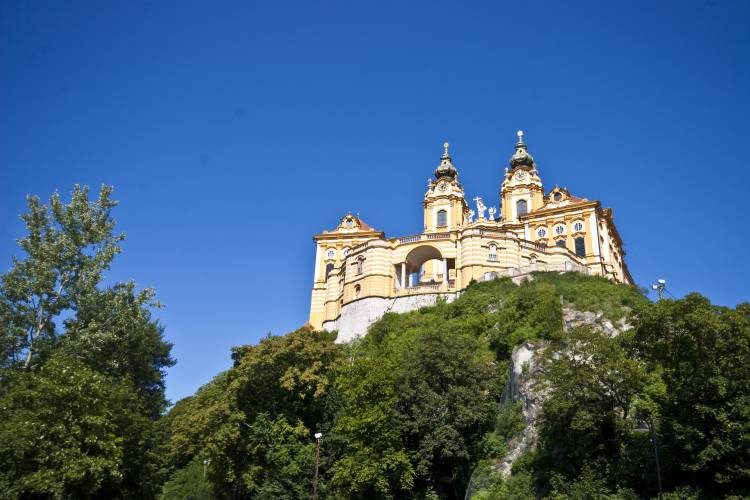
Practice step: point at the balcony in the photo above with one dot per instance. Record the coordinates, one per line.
(444, 287)
(420, 237)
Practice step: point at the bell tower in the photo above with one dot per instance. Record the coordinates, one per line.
(522, 191)
(445, 208)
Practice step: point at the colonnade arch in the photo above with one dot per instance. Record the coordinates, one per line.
(423, 265)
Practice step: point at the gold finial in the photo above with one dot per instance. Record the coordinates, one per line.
(520, 135)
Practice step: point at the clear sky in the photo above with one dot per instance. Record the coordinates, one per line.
(232, 132)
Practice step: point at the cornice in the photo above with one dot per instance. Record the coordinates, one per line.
(555, 210)
(354, 234)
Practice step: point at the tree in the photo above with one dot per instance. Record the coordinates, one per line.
(189, 483)
(592, 382)
(255, 422)
(63, 429)
(55, 312)
(417, 405)
(703, 351)
(67, 247)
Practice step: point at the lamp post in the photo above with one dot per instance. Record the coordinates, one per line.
(318, 439)
(205, 464)
(659, 286)
(647, 425)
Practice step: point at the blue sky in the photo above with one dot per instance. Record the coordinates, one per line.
(233, 131)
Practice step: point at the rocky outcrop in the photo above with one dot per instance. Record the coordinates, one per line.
(523, 379)
(573, 319)
(523, 387)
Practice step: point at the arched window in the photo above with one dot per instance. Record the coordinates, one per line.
(442, 218)
(560, 243)
(360, 262)
(541, 232)
(521, 208)
(357, 291)
(329, 268)
(493, 251)
(580, 246)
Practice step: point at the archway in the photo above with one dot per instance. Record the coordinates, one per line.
(424, 265)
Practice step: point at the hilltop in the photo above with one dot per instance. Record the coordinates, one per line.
(424, 404)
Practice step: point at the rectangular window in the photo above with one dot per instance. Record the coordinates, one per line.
(580, 247)
(442, 218)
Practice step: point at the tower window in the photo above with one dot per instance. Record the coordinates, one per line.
(442, 218)
(331, 254)
(493, 252)
(329, 268)
(578, 226)
(360, 262)
(541, 232)
(521, 208)
(557, 196)
(560, 243)
(357, 291)
(560, 229)
(580, 246)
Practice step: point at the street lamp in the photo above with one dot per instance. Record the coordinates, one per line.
(659, 286)
(318, 439)
(647, 425)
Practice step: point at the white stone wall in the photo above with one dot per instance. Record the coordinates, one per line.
(356, 317)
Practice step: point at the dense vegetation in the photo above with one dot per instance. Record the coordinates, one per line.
(413, 410)
(81, 363)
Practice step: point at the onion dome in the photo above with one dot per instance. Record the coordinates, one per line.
(446, 168)
(521, 158)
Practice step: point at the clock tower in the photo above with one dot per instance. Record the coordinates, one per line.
(522, 190)
(445, 208)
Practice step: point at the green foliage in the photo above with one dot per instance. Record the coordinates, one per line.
(593, 383)
(81, 365)
(64, 431)
(702, 351)
(414, 409)
(589, 485)
(418, 402)
(67, 248)
(594, 293)
(188, 483)
(255, 421)
(407, 412)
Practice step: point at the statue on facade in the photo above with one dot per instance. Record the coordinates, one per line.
(470, 217)
(492, 213)
(480, 207)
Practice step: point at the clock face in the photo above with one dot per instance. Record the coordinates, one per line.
(443, 186)
(521, 176)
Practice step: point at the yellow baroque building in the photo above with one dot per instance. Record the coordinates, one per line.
(360, 274)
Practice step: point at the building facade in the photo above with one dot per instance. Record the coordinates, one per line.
(360, 274)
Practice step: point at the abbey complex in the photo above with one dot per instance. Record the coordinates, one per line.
(360, 274)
